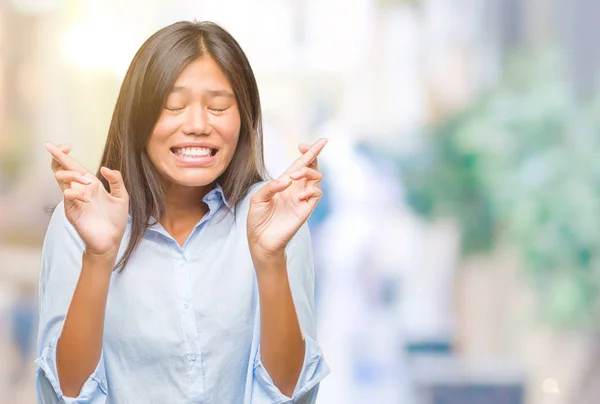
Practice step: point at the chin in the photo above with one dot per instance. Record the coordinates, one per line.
(194, 179)
(192, 172)
(194, 182)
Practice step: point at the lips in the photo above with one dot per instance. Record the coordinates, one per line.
(194, 156)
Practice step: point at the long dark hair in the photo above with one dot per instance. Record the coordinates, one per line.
(144, 91)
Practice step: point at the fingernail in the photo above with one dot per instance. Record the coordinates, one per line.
(296, 175)
(85, 180)
(285, 180)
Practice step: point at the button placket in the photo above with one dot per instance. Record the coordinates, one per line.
(188, 318)
(182, 263)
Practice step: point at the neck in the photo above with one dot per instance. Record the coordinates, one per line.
(184, 209)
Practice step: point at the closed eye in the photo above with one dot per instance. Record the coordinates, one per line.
(218, 111)
(174, 109)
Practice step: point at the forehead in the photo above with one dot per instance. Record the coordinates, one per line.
(203, 73)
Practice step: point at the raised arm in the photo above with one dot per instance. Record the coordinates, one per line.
(91, 225)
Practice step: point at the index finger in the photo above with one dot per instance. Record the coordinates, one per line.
(64, 160)
(55, 165)
(307, 158)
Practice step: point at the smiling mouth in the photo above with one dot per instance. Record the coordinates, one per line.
(193, 152)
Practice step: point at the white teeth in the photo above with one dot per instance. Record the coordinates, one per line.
(193, 152)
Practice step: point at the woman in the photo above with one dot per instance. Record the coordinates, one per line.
(180, 209)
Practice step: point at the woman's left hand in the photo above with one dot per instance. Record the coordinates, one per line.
(279, 208)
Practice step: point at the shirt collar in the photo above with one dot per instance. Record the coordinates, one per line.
(213, 199)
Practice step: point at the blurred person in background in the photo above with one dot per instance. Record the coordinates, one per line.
(24, 317)
(350, 318)
(180, 207)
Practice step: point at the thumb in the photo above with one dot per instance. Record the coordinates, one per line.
(115, 180)
(267, 192)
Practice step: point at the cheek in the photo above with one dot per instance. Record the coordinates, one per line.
(163, 129)
(154, 145)
(229, 129)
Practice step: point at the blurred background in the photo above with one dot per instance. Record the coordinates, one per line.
(457, 243)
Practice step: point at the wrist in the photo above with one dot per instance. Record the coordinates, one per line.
(268, 260)
(107, 258)
(271, 273)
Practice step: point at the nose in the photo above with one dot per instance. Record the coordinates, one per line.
(196, 122)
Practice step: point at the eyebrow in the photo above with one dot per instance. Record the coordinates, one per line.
(220, 93)
(212, 93)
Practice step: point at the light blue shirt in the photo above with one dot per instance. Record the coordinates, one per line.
(182, 323)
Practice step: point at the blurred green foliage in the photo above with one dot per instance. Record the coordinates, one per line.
(12, 157)
(521, 165)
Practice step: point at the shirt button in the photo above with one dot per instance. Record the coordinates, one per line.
(186, 305)
(192, 358)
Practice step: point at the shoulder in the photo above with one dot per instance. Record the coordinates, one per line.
(58, 219)
(61, 230)
(255, 188)
(61, 253)
(301, 244)
(244, 204)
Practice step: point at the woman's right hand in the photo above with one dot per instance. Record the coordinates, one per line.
(99, 217)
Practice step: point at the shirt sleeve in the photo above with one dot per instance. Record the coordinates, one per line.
(300, 267)
(60, 269)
